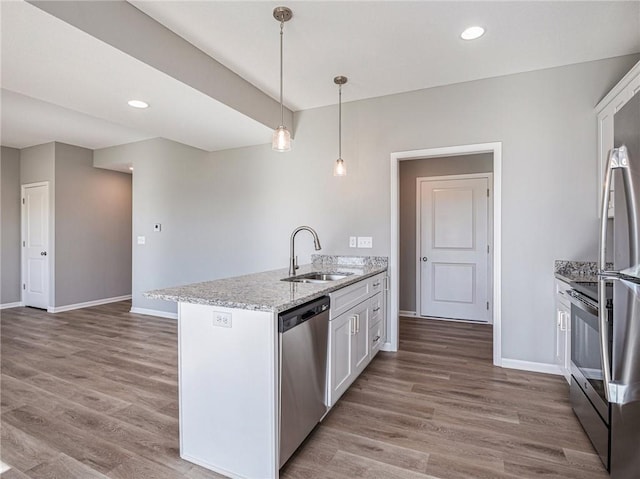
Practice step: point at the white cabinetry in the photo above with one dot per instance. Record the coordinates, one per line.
(356, 332)
(606, 109)
(349, 349)
(563, 329)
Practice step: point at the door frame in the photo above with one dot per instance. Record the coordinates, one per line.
(496, 149)
(469, 176)
(23, 235)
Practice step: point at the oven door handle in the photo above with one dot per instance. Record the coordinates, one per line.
(576, 298)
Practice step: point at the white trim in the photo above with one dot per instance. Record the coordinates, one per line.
(496, 149)
(408, 314)
(87, 304)
(154, 312)
(469, 176)
(616, 90)
(453, 320)
(17, 304)
(546, 368)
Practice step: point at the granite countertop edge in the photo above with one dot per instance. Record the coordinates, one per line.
(303, 292)
(577, 271)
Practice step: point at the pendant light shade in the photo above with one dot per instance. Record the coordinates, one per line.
(281, 139)
(340, 169)
(281, 136)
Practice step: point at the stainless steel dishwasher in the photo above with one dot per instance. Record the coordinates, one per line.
(304, 334)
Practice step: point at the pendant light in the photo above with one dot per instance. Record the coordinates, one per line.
(281, 136)
(340, 169)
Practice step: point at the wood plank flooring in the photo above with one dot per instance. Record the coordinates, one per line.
(92, 393)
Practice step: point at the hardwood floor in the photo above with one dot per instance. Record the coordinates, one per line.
(92, 393)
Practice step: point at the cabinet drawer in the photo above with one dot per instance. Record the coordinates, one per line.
(376, 306)
(376, 338)
(349, 296)
(377, 283)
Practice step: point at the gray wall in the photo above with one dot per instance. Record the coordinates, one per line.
(408, 172)
(93, 229)
(9, 226)
(233, 211)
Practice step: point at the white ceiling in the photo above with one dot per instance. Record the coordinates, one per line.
(383, 47)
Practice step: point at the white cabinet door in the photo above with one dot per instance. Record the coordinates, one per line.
(361, 337)
(349, 345)
(561, 337)
(563, 330)
(341, 364)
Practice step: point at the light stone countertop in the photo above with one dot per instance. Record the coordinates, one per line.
(264, 291)
(582, 271)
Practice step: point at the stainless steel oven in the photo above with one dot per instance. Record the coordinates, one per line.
(588, 396)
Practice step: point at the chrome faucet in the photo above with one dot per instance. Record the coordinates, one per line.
(293, 260)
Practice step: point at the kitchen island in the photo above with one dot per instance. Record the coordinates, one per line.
(228, 347)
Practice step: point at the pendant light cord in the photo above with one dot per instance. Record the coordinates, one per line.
(281, 76)
(339, 121)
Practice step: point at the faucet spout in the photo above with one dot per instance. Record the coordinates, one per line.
(293, 260)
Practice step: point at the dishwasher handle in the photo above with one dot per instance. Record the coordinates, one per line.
(301, 314)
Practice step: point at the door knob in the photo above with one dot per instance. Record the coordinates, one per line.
(43, 253)
(424, 258)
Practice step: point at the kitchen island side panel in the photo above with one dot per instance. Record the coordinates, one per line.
(228, 390)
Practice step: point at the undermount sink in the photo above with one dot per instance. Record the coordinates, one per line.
(317, 277)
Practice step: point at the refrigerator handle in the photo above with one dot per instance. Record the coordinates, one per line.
(602, 262)
(618, 158)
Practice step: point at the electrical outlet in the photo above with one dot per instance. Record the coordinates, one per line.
(365, 242)
(352, 242)
(157, 227)
(221, 319)
(142, 240)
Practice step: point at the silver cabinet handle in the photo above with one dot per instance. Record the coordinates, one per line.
(375, 310)
(357, 323)
(425, 259)
(376, 284)
(376, 339)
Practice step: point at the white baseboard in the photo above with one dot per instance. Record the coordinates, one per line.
(88, 304)
(11, 305)
(531, 366)
(408, 314)
(387, 347)
(154, 312)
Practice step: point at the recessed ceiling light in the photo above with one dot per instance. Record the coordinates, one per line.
(138, 104)
(472, 33)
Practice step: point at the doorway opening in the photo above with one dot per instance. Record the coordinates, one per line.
(475, 152)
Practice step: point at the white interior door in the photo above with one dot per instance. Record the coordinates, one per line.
(35, 228)
(453, 248)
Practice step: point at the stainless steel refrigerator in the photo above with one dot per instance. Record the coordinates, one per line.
(621, 352)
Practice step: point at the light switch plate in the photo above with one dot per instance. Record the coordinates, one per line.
(365, 242)
(353, 242)
(141, 240)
